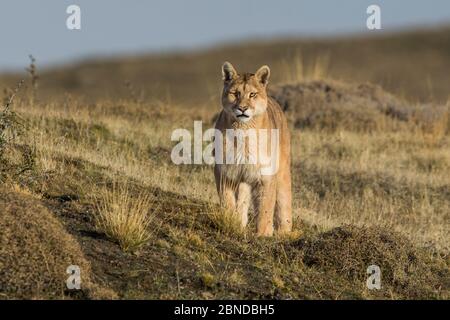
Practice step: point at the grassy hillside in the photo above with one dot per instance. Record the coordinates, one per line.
(36, 251)
(88, 179)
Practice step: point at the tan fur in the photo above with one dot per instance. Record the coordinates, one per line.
(240, 184)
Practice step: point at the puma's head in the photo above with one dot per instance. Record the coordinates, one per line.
(244, 95)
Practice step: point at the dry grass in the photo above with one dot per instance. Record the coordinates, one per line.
(35, 251)
(404, 268)
(390, 176)
(296, 69)
(123, 217)
(366, 165)
(226, 222)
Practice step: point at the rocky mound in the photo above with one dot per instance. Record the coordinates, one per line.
(350, 250)
(333, 105)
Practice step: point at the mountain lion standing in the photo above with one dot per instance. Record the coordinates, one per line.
(242, 176)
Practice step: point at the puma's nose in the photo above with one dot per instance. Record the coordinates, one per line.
(242, 108)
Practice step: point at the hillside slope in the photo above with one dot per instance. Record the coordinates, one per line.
(36, 250)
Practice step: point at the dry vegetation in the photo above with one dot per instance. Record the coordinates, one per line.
(371, 186)
(122, 217)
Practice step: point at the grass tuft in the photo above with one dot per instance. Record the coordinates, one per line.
(226, 222)
(124, 218)
(15, 158)
(297, 69)
(207, 280)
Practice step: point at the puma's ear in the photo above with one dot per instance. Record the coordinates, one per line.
(263, 74)
(228, 72)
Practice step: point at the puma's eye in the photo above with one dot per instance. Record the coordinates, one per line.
(235, 93)
(253, 95)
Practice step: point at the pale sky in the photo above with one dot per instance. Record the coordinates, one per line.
(114, 27)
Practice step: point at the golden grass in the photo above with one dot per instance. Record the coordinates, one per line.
(226, 222)
(296, 69)
(382, 178)
(123, 217)
(385, 179)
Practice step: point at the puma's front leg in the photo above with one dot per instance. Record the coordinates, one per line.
(283, 208)
(227, 194)
(243, 202)
(228, 198)
(265, 205)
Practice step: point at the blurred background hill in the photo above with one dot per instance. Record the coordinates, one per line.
(414, 65)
